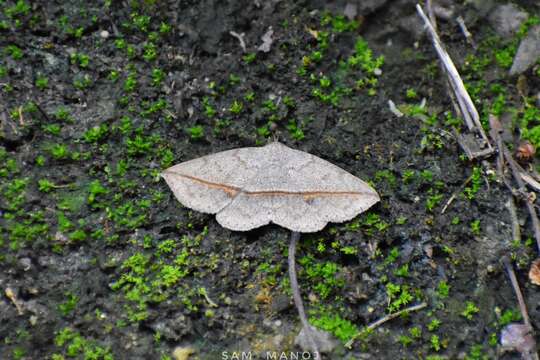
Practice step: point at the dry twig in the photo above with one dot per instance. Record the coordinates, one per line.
(240, 38)
(521, 185)
(11, 295)
(382, 320)
(466, 105)
(524, 313)
(455, 194)
(516, 232)
(465, 31)
(530, 181)
(517, 290)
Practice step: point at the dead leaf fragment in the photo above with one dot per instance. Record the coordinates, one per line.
(534, 272)
(518, 337)
(11, 295)
(313, 33)
(267, 40)
(350, 11)
(182, 353)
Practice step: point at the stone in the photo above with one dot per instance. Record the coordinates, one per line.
(528, 52)
(506, 19)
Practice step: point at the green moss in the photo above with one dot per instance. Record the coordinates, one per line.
(15, 52)
(434, 324)
(475, 184)
(196, 132)
(78, 235)
(529, 122)
(42, 82)
(150, 52)
(508, 316)
(95, 190)
(45, 185)
(236, 107)
(249, 58)
(443, 289)
(69, 305)
(336, 325)
(295, 131)
(80, 59)
(398, 296)
(74, 345)
(324, 275)
(96, 133)
(386, 175)
(475, 227)
(432, 201)
(363, 58)
(470, 310)
(59, 151)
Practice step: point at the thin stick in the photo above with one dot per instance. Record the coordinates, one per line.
(530, 181)
(530, 207)
(431, 14)
(240, 38)
(517, 290)
(295, 236)
(516, 232)
(382, 320)
(517, 172)
(395, 315)
(495, 134)
(21, 117)
(465, 31)
(455, 194)
(468, 110)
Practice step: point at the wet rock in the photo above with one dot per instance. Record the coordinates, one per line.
(51, 61)
(444, 11)
(528, 52)
(106, 108)
(41, 311)
(280, 303)
(25, 263)
(351, 10)
(506, 19)
(325, 342)
(412, 25)
(12, 133)
(368, 6)
(267, 40)
(173, 329)
(483, 7)
(518, 337)
(137, 346)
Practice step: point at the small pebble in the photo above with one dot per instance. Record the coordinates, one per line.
(325, 341)
(182, 353)
(104, 34)
(26, 263)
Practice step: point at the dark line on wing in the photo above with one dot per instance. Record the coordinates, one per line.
(233, 190)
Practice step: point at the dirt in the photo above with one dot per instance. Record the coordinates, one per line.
(99, 261)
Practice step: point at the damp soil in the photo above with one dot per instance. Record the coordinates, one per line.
(99, 261)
